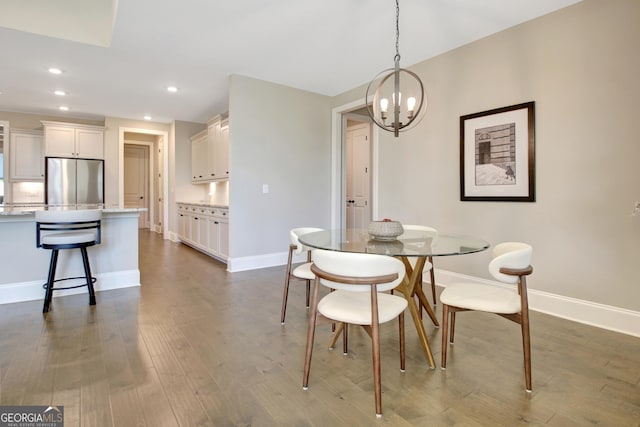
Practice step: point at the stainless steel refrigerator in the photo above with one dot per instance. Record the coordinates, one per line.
(74, 181)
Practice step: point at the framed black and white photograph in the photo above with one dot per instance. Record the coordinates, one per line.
(497, 155)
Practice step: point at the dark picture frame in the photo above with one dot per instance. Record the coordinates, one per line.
(497, 154)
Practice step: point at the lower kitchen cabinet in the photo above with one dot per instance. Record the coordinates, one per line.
(205, 228)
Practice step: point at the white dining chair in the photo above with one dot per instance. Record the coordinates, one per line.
(510, 265)
(68, 229)
(359, 282)
(301, 272)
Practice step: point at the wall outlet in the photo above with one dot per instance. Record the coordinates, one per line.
(636, 209)
(265, 188)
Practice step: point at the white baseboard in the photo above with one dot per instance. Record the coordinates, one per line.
(256, 262)
(29, 291)
(590, 313)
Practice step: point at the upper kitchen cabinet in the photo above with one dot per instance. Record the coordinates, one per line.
(26, 159)
(222, 151)
(200, 169)
(210, 152)
(218, 137)
(73, 140)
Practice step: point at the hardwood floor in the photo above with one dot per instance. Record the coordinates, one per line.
(196, 345)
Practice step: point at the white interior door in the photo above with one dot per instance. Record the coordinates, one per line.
(136, 183)
(358, 175)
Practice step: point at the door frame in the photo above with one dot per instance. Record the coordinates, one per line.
(165, 173)
(339, 116)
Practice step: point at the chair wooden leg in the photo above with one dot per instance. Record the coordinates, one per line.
(526, 347)
(308, 292)
(445, 332)
(87, 274)
(345, 339)
(402, 341)
(453, 326)
(311, 329)
(375, 350)
(50, 280)
(285, 294)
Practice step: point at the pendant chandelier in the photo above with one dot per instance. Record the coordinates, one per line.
(387, 90)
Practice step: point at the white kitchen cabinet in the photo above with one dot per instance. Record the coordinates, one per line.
(200, 157)
(221, 152)
(205, 228)
(223, 239)
(199, 233)
(219, 233)
(73, 140)
(218, 128)
(210, 152)
(26, 158)
(184, 223)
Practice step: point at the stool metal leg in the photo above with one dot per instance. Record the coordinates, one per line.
(87, 273)
(50, 280)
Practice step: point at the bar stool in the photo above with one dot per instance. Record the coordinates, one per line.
(71, 229)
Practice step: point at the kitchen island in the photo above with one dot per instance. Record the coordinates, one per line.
(24, 267)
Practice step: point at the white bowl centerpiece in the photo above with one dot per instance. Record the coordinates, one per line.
(385, 229)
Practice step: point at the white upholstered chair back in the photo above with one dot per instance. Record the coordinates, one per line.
(358, 265)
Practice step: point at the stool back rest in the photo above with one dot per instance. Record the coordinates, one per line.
(58, 221)
(510, 255)
(349, 271)
(297, 232)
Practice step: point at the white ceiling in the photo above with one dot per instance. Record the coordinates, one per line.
(327, 47)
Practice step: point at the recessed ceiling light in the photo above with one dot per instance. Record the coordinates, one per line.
(64, 108)
(60, 92)
(147, 117)
(54, 70)
(172, 89)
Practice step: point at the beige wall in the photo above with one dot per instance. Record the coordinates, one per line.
(278, 136)
(580, 65)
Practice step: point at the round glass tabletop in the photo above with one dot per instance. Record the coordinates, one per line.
(410, 243)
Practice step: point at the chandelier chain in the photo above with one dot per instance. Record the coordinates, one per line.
(397, 57)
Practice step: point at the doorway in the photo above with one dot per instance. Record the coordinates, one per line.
(158, 180)
(340, 118)
(358, 172)
(136, 180)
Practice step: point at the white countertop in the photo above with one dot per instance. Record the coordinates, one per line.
(205, 204)
(13, 209)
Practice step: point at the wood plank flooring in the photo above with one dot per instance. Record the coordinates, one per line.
(197, 346)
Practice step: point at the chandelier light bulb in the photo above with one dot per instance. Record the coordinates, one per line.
(384, 105)
(411, 104)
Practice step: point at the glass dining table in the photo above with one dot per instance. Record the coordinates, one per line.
(416, 244)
